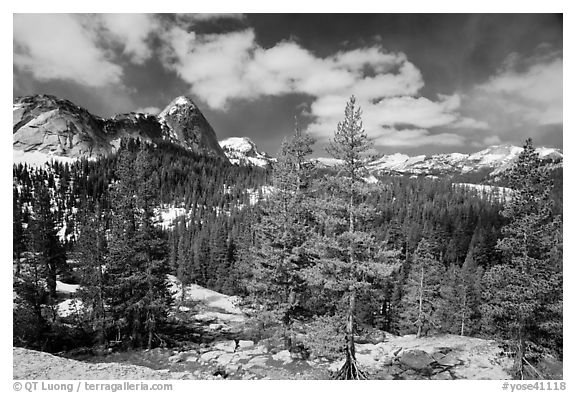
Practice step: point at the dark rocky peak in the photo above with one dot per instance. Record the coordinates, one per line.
(182, 121)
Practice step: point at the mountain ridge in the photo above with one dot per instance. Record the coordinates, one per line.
(48, 127)
(495, 159)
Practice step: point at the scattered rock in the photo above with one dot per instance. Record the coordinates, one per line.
(449, 360)
(209, 356)
(416, 359)
(443, 376)
(227, 358)
(283, 356)
(226, 346)
(245, 344)
(258, 361)
(232, 368)
(177, 358)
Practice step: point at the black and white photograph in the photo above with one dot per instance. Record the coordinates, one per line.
(287, 196)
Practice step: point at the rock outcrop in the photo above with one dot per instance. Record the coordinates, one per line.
(184, 124)
(57, 128)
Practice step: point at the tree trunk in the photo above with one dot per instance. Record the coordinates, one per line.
(421, 295)
(350, 368)
(150, 336)
(518, 367)
(288, 319)
(463, 316)
(350, 347)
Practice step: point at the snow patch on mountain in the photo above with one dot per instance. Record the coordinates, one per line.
(502, 194)
(166, 215)
(66, 288)
(498, 158)
(208, 297)
(256, 195)
(175, 105)
(243, 151)
(38, 159)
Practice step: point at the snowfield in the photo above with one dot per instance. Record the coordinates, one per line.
(69, 307)
(502, 194)
(66, 288)
(210, 298)
(38, 159)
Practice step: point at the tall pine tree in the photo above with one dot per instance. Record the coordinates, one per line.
(421, 299)
(138, 294)
(523, 295)
(92, 250)
(280, 254)
(349, 256)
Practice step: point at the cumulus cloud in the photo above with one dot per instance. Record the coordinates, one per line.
(522, 99)
(151, 110)
(59, 46)
(229, 66)
(79, 47)
(213, 64)
(416, 138)
(224, 67)
(397, 121)
(132, 32)
(492, 140)
(527, 90)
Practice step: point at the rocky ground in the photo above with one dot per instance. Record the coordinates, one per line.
(438, 358)
(219, 353)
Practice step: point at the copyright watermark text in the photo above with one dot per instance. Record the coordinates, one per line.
(84, 386)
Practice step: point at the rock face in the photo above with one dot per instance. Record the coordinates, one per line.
(243, 151)
(44, 124)
(183, 122)
(53, 126)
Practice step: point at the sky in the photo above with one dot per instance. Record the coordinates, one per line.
(426, 84)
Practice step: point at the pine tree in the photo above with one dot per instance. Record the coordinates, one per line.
(280, 254)
(523, 295)
(17, 230)
(43, 241)
(421, 299)
(92, 250)
(460, 292)
(138, 295)
(349, 256)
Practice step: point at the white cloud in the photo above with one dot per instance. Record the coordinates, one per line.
(132, 31)
(152, 110)
(420, 112)
(416, 138)
(229, 66)
(469, 123)
(225, 67)
(214, 65)
(492, 140)
(532, 94)
(59, 46)
(380, 119)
